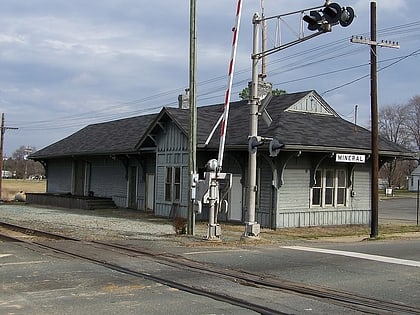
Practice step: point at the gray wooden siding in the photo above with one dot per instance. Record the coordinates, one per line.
(294, 193)
(361, 187)
(264, 211)
(59, 176)
(172, 150)
(293, 208)
(322, 217)
(108, 179)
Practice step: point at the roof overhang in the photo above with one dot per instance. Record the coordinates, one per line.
(322, 149)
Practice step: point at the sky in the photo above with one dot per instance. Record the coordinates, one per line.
(67, 64)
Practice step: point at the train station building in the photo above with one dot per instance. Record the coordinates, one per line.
(319, 175)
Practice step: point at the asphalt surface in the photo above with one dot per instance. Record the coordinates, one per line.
(402, 210)
(38, 281)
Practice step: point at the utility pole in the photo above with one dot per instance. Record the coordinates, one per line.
(3, 130)
(192, 139)
(374, 230)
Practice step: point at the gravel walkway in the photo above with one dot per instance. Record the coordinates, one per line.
(132, 225)
(88, 224)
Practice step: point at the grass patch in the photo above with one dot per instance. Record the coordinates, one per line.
(12, 186)
(385, 231)
(398, 193)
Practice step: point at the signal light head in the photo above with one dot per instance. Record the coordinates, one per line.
(347, 16)
(332, 14)
(314, 20)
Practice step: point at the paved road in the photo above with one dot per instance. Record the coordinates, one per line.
(398, 209)
(388, 270)
(40, 282)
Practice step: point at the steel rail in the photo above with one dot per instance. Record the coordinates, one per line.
(343, 298)
(261, 309)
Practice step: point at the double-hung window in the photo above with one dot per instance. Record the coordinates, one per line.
(173, 183)
(330, 188)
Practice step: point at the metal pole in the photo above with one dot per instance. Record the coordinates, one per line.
(374, 118)
(252, 228)
(192, 139)
(418, 200)
(263, 42)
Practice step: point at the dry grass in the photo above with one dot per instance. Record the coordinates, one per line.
(12, 186)
(231, 234)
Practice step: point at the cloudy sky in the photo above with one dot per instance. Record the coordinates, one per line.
(66, 64)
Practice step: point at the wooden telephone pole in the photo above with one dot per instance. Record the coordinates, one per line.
(374, 112)
(3, 130)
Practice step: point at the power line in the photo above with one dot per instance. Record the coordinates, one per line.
(414, 53)
(316, 55)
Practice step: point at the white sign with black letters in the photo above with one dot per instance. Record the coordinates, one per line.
(350, 158)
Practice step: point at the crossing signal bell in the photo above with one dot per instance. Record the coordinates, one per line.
(253, 143)
(331, 14)
(274, 147)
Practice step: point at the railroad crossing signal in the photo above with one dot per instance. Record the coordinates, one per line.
(331, 14)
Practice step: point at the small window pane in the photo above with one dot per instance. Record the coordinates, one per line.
(177, 192)
(316, 196)
(168, 177)
(177, 175)
(341, 196)
(168, 194)
(329, 178)
(341, 176)
(329, 196)
(318, 178)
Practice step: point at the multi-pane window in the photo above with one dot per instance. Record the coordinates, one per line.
(177, 183)
(173, 183)
(330, 189)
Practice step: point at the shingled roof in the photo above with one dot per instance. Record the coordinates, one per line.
(115, 137)
(297, 130)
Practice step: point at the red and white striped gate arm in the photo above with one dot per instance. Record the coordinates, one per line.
(223, 127)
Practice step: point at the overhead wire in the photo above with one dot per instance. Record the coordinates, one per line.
(317, 55)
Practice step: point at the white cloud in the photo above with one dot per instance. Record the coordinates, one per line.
(63, 58)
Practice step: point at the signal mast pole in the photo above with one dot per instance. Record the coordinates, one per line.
(333, 14)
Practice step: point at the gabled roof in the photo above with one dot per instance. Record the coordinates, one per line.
(301, 121)
(314, 129)
(119, 136)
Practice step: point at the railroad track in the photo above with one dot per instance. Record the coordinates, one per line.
(88, 250)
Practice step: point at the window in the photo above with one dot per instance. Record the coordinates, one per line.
(317, 189)
(168, 184)
(341, 187)
(330, 189)
(177, 183)
(173, 184)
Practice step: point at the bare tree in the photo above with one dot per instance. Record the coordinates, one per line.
(393, 127)
(392, 124)
(413, 120)
(21, 166)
